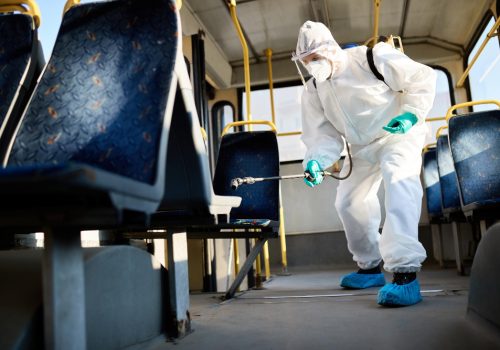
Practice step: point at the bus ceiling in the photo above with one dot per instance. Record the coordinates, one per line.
(431, 33)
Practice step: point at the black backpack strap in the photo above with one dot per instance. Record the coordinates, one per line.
(371, 63)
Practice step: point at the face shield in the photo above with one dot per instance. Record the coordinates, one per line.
(316, 38)
(321, 49)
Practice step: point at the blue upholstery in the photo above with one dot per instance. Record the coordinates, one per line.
(102, 99)
(447, 175)
(431, 183)
(252, 154)
(475, 145)
(16, 43)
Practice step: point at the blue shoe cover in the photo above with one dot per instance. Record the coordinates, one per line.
(399, 295)
(362, 280)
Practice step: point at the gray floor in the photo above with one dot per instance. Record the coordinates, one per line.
(308, 310)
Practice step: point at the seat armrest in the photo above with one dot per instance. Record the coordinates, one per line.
(222, 205)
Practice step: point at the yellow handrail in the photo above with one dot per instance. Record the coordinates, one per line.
(32, 9)
(249, 122)
(290, 133)
(69, 4)
(468, 104)
(204, 134)
(426, 148)
(491, 34)
(13, 8)
(441, 128)
(246, 63)
(435, 119)
(269, 54)
(376, 3)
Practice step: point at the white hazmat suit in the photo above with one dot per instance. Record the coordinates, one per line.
(354, 105)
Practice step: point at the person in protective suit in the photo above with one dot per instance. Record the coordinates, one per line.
(383, 120)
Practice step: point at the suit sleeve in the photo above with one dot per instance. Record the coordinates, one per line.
(416, 81)
(324, 143)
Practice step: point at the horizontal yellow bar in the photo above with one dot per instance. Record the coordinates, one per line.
(291, 133)
(249, 122)
(69, 4)
(426, 148)
(13, 8)
(467, 104)
(441, 128)
(435, 119)
(32, 10)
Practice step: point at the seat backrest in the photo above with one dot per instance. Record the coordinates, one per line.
(103, 96)
(18, 63)
(431, 183)
(475, 145)
(188, 182)
(447, 176)
(253, 154)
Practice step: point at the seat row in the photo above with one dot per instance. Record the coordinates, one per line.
(462, 172)
(109, 139)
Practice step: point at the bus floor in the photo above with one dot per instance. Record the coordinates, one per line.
(309, 310)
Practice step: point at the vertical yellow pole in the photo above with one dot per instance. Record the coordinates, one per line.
(284, 261)
(375, 21)
(246, 66)
(246, 62)
(236, 257)
(269, 54)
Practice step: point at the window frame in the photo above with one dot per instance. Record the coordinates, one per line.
(488, 15)
(241, 90)
(451, 89)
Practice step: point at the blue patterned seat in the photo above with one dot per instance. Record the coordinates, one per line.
(93, 139)
(475, 146)
(189, 196)
(252, 154)
(447, 177)
(21, 61)
(432, 185)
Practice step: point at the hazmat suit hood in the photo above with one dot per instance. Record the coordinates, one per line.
(315, 37)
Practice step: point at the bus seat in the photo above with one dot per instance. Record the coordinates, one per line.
(244, 154)
(252, 154)
(475, 145)
(21, 61)
(452, 211)
(447, 176)
(432, 185)
(432, 188)
(189, 195)
(484, 291)
(96, 119)
(91, 147)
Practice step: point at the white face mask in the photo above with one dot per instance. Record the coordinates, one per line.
(321, 70)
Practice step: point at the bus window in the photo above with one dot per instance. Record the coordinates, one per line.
(288, 117)
(483, 77)
(442, 102)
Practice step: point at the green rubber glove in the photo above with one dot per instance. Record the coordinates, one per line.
(401, 124)
(314, 172)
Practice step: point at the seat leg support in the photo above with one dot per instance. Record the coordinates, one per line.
(246, 267)
(457, 242)
(63, 291)
(178, 278)
(437, 241)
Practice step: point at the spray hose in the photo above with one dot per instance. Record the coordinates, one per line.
(237, 182)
